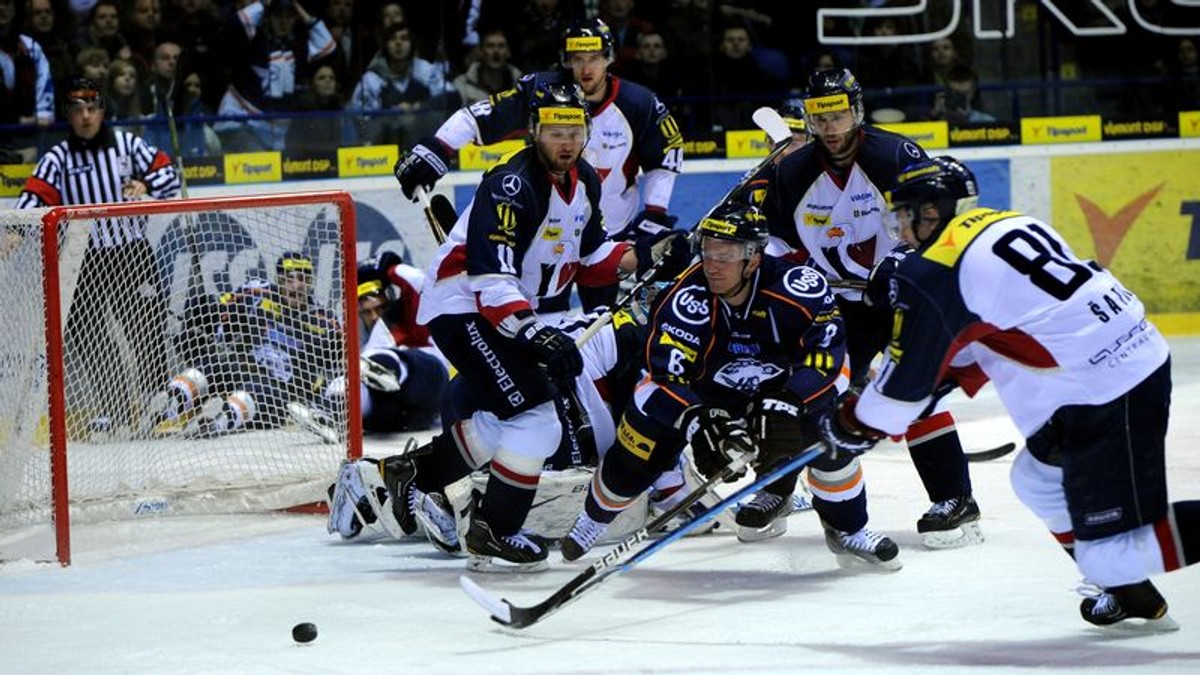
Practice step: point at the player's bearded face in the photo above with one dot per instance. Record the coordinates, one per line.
(835, 131)
(370, 308)
(560, 145)
(589, 69)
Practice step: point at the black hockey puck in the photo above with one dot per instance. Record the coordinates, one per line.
(304, 632)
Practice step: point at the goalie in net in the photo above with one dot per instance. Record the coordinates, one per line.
(262, 347)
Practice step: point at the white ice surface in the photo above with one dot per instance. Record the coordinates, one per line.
(220, 594)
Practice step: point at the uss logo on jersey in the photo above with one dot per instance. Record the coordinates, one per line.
(689, 306)
(804, 282)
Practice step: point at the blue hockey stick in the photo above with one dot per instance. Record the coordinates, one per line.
(508, 614)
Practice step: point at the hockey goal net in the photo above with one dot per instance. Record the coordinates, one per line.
(169, 357)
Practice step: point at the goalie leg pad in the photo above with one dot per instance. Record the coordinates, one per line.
(350, 511)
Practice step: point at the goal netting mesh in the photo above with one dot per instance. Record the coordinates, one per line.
(180, 357)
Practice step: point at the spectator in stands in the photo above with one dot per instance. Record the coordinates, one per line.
(52, 31)
(272, 45)
(956, 103)
(196, 137)
(123, 95)
(881, 67)
(26, 87)
(492, 73)
(1182, 88)
(389, 84)
(739, 84)
(92, 63)
(653, 67)
(942, 57)
(339, 19)
(195, 26)
(142, 25)
(538, 32)
(160, 82)
(307, 136)
(103, 30)
(689, 30)
(626, 25)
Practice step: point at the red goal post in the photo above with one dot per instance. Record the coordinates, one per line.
(168, 357)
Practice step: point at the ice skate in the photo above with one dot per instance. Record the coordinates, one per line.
(581, 538)
(763, 517)
(951, 523)
(865, 546)
(349, 509)
(434, 513)
(492, 553)
(1138, 606)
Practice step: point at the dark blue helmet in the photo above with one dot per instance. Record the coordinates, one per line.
(942, 181)
(737, 222)
(833, 90)
(586, 35)
(557, 103)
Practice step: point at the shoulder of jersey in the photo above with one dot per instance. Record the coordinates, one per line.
(633, 98)
(890, 143)
(796, 281)
(516, 164)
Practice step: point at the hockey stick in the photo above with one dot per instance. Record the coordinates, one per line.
(994, 453)
(183, 191)
(505, 613)
(439, 233)
(777, 130)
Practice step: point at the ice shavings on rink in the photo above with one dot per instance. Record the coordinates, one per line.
(221, 594)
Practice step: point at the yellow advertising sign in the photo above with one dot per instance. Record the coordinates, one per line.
(12, 178)
(253, 167)
(926, 134)
(1076, 129)
(747, 144)
(1189, 124)
(1137, 214)
(372, 160)
(473, 157)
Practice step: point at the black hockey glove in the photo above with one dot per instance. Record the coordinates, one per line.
(552, 348)
(786, 426)
(879, 284)
(422, 166)
(716, 440)
(673, 248)
(843, 433)
(651, 222)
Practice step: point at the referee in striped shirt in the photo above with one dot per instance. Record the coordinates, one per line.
(97, 164)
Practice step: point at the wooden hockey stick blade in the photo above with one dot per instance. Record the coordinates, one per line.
(985, 455)
(443, 211)
(769, 120)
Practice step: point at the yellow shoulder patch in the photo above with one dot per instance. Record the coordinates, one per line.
(960, 233)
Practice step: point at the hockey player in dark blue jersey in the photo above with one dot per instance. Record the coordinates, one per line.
(632, 132)
(826, 203)
(272, 345)
(744, 350)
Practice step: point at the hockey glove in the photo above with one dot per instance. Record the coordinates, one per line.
(672, 248)
(652, 222)
(843, 433)
(422, 166)
(553, 349)
(879, 284)
(716, 440)
(786, 426)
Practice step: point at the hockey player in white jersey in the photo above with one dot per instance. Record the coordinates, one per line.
(826, 203)
(532, 229)
(632, 133)
(1083, 373)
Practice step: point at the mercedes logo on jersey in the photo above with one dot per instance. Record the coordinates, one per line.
(804, 282)
(511, 184)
